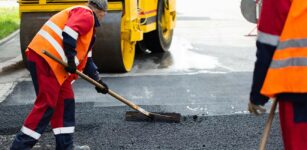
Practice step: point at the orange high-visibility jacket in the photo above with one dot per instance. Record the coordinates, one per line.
(288, 69)
(50, 38)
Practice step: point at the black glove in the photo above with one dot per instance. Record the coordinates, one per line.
(103, 91)
(71, 68)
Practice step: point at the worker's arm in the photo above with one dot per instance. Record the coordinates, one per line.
(272, 19)
(80, 21)
(92, 71)
(264, 56)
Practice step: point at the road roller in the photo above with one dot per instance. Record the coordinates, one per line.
(129, 26)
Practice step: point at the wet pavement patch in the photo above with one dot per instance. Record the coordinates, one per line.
(106, 128)
(201, 93)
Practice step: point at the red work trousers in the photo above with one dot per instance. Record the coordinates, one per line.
(293, 124)
(54, 103)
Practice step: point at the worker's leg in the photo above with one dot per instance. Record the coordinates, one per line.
(63, 120)
(293, 120)
(47, 90)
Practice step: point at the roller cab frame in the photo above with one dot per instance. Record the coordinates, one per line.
(129, 25)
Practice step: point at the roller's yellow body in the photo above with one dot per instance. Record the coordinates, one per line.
(138, 22)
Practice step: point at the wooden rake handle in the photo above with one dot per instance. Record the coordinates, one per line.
(268, 125)
(90, 80)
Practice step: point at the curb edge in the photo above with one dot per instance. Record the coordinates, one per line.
(9, 37)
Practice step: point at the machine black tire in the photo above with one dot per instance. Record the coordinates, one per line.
(29, 25)
(108, 51)
(154, 40)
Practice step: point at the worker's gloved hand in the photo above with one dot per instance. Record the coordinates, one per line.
(103, 91)
(71, 68)
(255, 109)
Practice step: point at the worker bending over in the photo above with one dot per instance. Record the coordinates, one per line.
(69, 35)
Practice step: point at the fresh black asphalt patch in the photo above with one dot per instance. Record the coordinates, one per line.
(103, 126)
(106, 128)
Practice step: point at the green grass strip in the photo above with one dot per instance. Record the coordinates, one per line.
(9, 21)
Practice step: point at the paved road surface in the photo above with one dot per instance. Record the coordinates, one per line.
(206, 77)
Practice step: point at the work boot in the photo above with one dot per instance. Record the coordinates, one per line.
(64, 142)
(83, 147)
(23, 141)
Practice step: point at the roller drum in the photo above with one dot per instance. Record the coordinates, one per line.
(29, 26)
(108, 49)
(109, 52)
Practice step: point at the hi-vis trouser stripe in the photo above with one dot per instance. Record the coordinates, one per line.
(54, 43)
(64, 130)
(294, 61)
(267, 38)
(30, 133)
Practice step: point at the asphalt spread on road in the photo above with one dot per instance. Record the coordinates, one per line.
(106, 128)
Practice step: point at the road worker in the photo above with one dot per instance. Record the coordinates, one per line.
(69, 35)
(281, 67)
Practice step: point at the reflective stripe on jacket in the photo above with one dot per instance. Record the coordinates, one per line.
(50, 38)
(288, 69)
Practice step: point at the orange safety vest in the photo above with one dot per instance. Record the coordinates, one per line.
(50, 38)
(288, 70)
